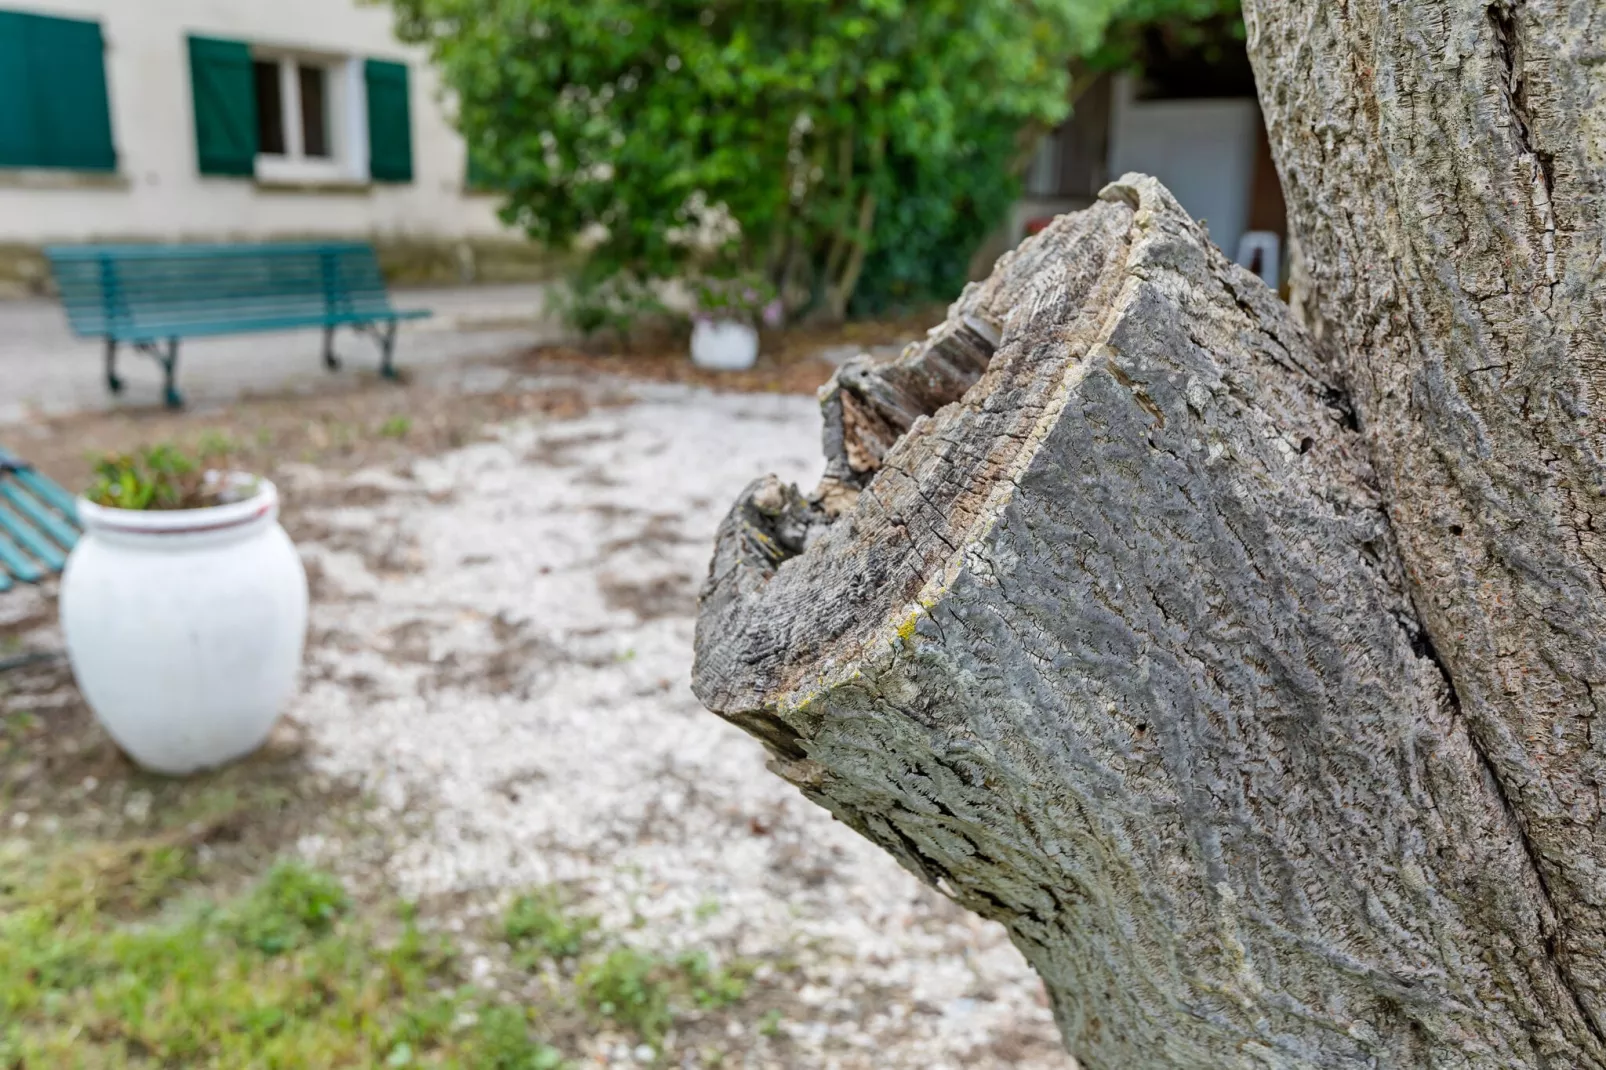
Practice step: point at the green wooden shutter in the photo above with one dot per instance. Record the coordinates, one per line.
(53, 106)
(225, 100)
(390, 123)
(19, 139)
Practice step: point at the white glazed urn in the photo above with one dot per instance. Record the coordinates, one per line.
(185, 628)
(723, 345)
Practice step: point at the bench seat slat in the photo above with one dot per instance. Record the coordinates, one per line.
(194, 328)
(14, 561)
(14, 467)
(47, 492)
(41, 517)
(29, 538)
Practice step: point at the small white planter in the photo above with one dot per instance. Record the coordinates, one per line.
(185, 628)
(723, 345)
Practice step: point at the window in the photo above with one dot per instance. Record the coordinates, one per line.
(54, 110)
(298, 117)
(314, 83)
(270, 107)
(298, 136)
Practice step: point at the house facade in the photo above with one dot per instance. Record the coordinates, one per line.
(233, 120)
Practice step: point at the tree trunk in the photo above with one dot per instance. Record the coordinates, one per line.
(1446, 170)
(1247, 678)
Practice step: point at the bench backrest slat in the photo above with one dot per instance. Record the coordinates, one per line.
(116, 289)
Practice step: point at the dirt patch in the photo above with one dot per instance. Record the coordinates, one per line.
(653, 599)
(357, 424)
(554, 451)
(509, 663)
(69, 792)
(662, 531)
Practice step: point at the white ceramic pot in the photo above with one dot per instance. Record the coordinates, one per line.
(723, 345)
(185, 628)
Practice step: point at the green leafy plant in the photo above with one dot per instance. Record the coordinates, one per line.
(506, 1043)
(537, 926)
(711, 987)
(163, 477)
(396, 427)
(632, 988)
(293, 906)
(933, 220)
(1206, 27)
(935, 217)
(671, 139)
(746, 299)
(645, 992)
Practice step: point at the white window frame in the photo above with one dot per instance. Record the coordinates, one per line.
(347, 102)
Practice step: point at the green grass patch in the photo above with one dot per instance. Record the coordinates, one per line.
(537, 926)
(642, 992)
(396, 427)
(285, 976)
(645, 993)
(116, 956)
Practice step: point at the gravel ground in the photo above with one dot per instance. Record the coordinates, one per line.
(501, 643)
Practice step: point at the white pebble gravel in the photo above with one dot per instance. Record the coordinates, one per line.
(500, 657)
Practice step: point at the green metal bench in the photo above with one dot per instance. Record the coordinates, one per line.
(152, 296)
(38, 524)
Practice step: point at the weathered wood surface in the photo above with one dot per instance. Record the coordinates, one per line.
(1445, 165)
(1098, 623)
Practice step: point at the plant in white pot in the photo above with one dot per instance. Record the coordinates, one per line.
(725, 321)
(184, 608)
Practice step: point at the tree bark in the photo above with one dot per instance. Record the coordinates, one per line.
(1446, 170)
(1245, 672)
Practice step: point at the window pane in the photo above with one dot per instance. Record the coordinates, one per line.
(270, 108)
(314, 112)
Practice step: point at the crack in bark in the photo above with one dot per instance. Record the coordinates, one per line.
(1422, 644)
(1504, 20)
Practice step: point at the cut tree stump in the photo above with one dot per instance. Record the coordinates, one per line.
(1098, 624)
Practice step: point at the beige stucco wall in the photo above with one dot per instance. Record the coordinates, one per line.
(158, 193)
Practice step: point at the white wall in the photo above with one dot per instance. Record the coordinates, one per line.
(158, 193)
(1203, 150)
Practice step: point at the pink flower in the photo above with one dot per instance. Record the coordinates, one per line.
(774, 314)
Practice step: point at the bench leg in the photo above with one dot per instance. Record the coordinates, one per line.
(113, 384)
(168, 359)
(387, 349)
(170, 393)
(330, 361)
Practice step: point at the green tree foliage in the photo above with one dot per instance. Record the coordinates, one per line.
(784, 141)
(1204, 25)
(721, 137)
(935, 217)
